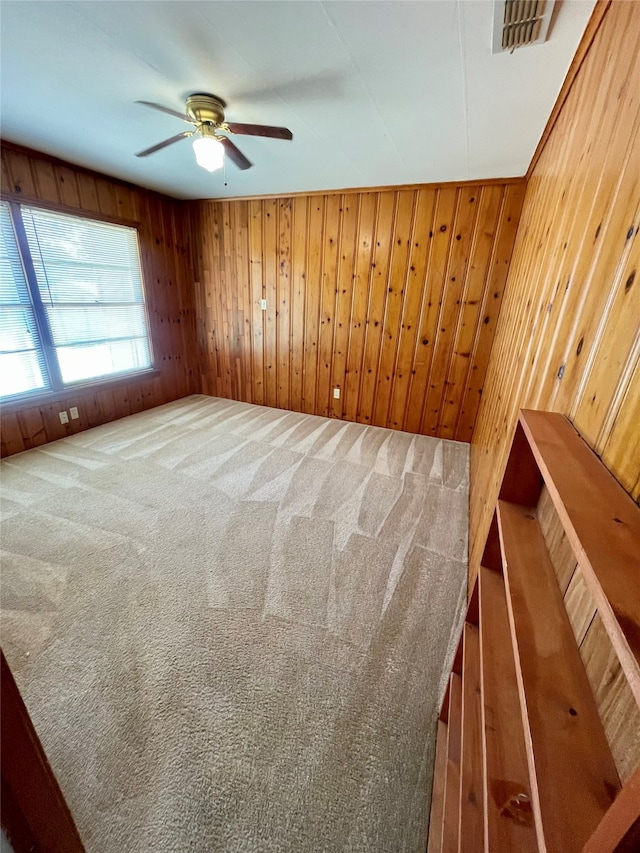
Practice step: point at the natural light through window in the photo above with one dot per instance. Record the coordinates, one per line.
(72, 301)
(22, 366)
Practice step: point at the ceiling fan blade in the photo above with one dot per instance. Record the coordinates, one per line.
(260, 130)
(164, 144)
(167, 110)
(235, 154)
(317, 87)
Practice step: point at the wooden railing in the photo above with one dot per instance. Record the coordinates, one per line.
(539, 734)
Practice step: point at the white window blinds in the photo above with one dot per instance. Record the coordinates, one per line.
(89, 279)
(22, 363)
(85, 316)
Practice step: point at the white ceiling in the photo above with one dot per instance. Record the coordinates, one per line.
(375, 92)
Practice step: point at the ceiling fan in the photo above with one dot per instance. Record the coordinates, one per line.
(206, 113)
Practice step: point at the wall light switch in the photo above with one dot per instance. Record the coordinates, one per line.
(73, 411)
(336, 393)
(64, 418)
(263, 304)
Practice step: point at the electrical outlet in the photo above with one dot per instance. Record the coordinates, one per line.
(73, 411)
(336, 393)
(263, 304)
(64, 418)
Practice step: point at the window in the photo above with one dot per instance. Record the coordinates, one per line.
(71, 301)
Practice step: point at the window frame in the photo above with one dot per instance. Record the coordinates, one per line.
(57, 388)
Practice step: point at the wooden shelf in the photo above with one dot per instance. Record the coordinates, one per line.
(451, 807)
(523, 761)
(602, 524)
(620, 827)
(509, 816)
(471, 775)
(437, 794)
(571, 769)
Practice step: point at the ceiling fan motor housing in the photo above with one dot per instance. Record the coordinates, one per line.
(207, 109)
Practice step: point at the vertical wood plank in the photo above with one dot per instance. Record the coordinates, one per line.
(344, 299)
(412, 309)
(434, 284)
(12, 438)
(328, 300)
(257, 290)
(395, 296)
(360, 303)
(386, 213)
(19, 169)
(437, 793)
(471, 775)
(284, 304)
(462, 232)
(507, 794)
(451, 807)
(298, 298)
(312, 302)
(489, 202)
(68, 186)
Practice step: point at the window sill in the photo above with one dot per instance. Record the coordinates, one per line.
(80, 389)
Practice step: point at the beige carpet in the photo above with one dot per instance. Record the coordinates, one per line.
(230, 624)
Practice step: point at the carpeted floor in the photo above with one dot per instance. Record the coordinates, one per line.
(230, 625)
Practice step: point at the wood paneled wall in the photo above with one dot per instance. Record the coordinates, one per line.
(164, 232)
(390, 296)
(614, 697)
(568, 337)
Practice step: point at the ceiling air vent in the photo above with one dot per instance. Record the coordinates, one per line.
(520, 23)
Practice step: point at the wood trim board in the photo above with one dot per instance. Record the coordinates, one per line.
(35, 815)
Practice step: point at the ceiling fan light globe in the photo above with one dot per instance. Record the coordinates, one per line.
(209, 153)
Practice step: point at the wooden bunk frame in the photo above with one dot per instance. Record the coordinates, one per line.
(523, 757)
